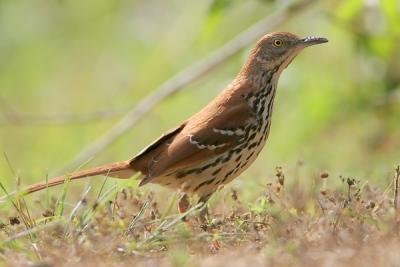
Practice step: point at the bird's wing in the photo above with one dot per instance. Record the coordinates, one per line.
(141, 161)
(211, 132)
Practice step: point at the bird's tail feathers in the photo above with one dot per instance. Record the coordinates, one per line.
(121, 170)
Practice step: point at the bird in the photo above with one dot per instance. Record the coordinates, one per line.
(218, 143)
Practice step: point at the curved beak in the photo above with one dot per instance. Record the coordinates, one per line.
(311, 40)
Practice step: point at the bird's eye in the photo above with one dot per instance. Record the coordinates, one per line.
(278, 43)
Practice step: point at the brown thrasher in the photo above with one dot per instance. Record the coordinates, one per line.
(218, 143)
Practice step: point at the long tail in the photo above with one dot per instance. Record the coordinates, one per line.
(121, 170)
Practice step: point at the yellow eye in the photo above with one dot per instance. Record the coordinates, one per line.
(278, 42)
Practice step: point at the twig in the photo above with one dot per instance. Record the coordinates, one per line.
(185, 77)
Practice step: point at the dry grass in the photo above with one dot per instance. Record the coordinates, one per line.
(352, 225)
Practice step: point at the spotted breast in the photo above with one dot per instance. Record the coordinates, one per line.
(250, 137)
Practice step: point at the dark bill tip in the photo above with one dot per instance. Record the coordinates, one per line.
(312, 40)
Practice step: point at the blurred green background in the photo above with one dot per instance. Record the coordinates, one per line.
(337, 107)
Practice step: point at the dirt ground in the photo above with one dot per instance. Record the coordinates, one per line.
(352, 225)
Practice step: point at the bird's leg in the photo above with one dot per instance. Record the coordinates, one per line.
(183, 203)
(214, 246)
(204, 210)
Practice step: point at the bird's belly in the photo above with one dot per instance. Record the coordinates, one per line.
(207, 177)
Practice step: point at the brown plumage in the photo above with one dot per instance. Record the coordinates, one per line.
(219, 142)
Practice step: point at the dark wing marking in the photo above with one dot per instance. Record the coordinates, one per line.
(139, 162)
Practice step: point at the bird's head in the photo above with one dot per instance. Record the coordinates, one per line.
(275, 51)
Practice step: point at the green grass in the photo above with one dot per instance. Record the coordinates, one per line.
(282, 225)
